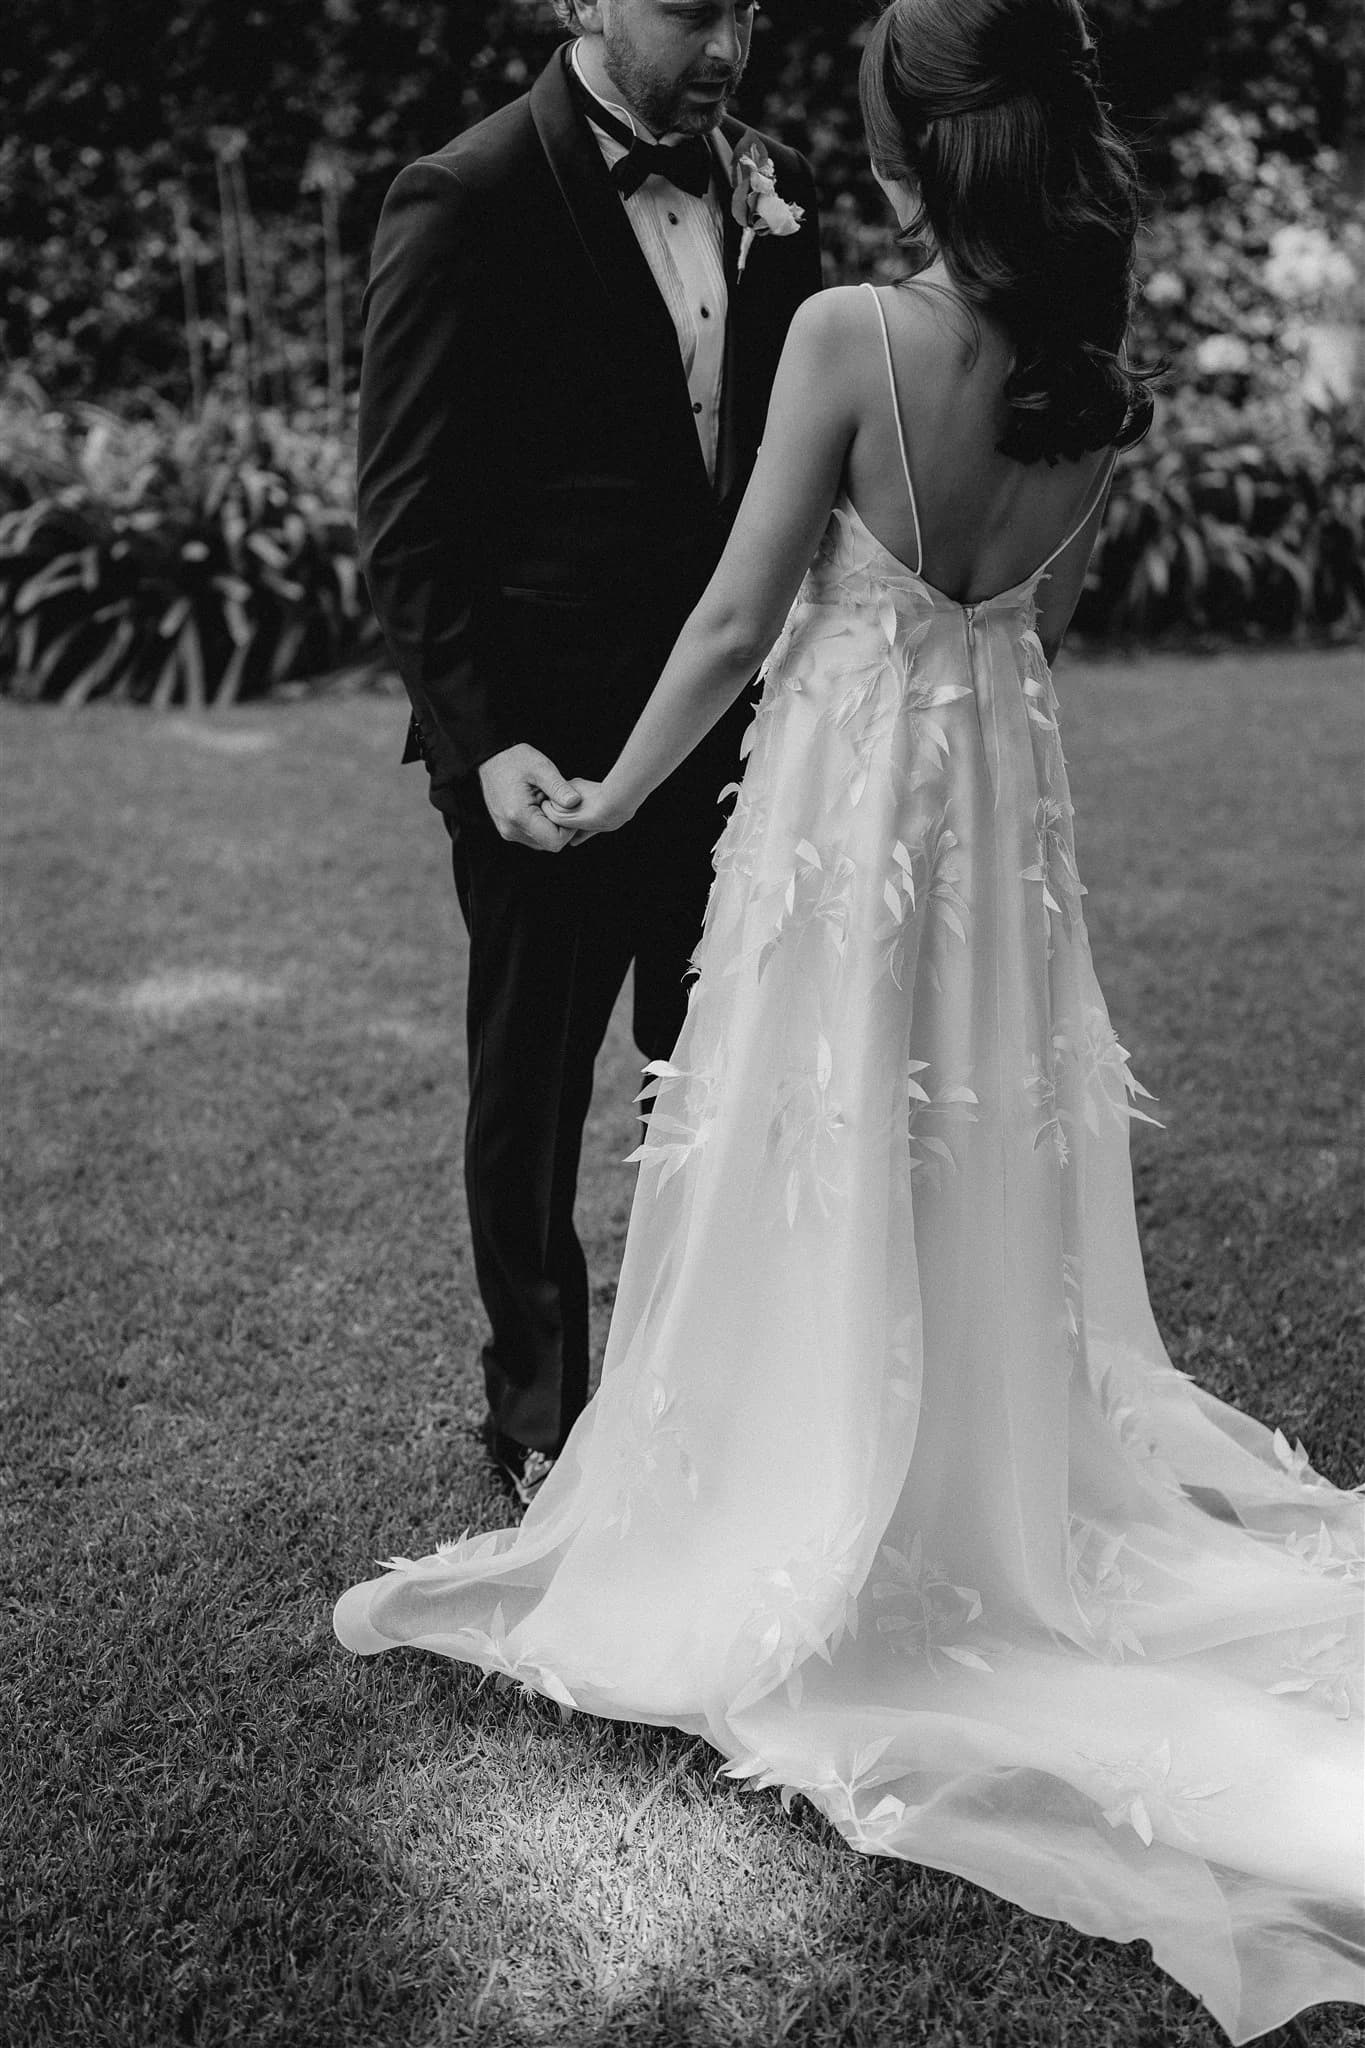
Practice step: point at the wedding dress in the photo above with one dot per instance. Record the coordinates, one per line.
(890, 1490)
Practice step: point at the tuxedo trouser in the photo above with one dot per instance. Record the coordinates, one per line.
(551, 937)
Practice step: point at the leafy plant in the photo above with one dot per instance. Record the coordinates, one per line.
(1245, 522)
(169, 561)
(173, 561)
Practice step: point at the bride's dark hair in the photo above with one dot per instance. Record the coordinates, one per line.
(1030, 195)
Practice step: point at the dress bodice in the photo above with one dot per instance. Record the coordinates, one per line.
(855, 569)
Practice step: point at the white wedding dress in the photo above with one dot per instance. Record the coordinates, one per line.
(890, 1490)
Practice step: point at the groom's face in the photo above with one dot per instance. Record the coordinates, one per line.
(674, 61)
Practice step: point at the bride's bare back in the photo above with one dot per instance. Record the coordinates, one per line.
(986, 520)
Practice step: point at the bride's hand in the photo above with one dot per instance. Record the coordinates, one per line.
(593, 814)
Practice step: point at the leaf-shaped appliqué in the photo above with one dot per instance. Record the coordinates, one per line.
(1336, 1552)
(816, 906)
(922, 1613)
(461, 1550)
(1293, 1458)
(1054, 868)
(935, 1113)
(1325, 1669)
(804, 1132)
(1110, 1088)
(1146, 1793)
(1105, 1587)
(1041, 1085)
(654, 1462)
(875, 694)
(672, 1139)
(804, 1605)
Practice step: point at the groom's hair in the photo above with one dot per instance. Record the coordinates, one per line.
(1030, 195)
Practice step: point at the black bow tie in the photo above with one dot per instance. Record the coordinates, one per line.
(688, 164)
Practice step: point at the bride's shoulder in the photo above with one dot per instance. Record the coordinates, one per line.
(833, 318)
(830, 334)
(825, 360)
(817, 322)
(841, 325)
(846, 313)
(837, 340)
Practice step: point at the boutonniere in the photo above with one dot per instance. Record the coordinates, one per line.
(758, 206)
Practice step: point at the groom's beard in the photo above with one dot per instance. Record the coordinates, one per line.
(664, 104)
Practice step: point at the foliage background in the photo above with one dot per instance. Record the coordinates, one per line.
(123, 108)
(188, 190)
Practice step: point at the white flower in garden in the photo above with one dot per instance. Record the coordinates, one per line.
(1304, 263)
(1164, 288)
(1219, 354)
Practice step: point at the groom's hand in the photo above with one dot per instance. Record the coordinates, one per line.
(515, 784)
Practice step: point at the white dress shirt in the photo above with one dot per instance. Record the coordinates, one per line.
(682, 239)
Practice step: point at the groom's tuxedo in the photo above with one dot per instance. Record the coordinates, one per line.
(536, 522)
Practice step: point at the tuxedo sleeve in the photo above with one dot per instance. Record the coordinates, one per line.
(422, 434)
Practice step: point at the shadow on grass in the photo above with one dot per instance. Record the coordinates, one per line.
(601, 1887)
(187, 1768)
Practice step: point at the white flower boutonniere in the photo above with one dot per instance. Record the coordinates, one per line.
(758, 206)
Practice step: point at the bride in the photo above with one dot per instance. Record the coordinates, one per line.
(891, 1491)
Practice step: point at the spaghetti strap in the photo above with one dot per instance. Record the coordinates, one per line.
(900, 429)
(1095, 501)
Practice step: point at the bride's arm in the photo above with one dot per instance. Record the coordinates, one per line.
(739, 615)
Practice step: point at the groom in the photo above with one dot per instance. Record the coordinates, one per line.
(571, 337)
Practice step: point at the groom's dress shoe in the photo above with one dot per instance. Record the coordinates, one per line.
(522, 1469)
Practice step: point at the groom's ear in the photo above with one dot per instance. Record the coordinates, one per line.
(580, 17)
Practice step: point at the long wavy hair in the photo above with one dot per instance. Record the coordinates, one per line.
(1027, 192)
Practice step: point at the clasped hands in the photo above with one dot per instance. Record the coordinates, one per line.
(532, 804)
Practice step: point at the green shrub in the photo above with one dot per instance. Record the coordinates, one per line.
(170, 561)
(1245, 522)
(196, 562)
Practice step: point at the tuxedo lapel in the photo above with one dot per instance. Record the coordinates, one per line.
(650, 363)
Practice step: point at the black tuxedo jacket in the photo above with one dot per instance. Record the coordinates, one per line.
(535, 516)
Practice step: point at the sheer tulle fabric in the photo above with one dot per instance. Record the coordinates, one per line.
(890, 1490)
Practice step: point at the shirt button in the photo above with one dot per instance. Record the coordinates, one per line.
(706, 312)
(672, 220)
(697, 406)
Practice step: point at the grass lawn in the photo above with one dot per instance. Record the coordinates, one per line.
(240, 1362)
